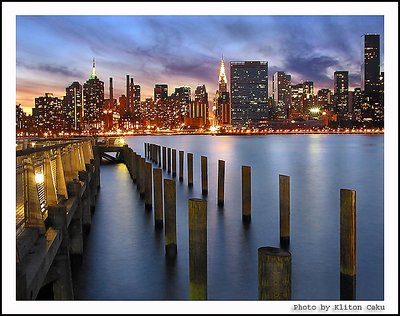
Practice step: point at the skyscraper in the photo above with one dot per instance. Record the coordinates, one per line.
(72, 107)
(222, 106)
(160, 92)
(93, 100)
(249, 92)
(308, 98)
(47, 113)
(341, 92)
(370, 73)
(281, 94)
(183, 96)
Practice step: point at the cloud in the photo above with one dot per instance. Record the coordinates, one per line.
(312, 68)
(52, 69)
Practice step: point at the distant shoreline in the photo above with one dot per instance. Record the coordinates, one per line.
(180, 133)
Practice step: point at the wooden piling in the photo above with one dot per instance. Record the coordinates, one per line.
(148, 186)
(142, 177)
(348, 256)
(190, 169)
(284, 210)
(170, 217)
(164, 158)
(159, 155)
(197, 249)
(204, 175)
(134, 166)
(158, 203)
(246, 193)
(181, 153)
(274, 274)
(169, 160)
(221, 180)
(174, 163)
(145, 151)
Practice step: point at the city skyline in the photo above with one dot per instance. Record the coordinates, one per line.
(310, 49)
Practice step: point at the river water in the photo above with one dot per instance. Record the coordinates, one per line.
(125, 259)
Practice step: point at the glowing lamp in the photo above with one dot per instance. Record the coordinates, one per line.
(39, 178)
(314, 110)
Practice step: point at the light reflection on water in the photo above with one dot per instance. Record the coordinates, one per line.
(125, 258)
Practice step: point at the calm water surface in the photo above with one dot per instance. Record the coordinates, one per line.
(125, 258)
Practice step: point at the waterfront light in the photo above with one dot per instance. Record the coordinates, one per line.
(39, 178)
(314, 110)
(121, 141)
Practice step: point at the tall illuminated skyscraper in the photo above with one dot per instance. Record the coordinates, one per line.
(222, 106)
(249, 92)
(281, 94)
(370, 78)
(93, 101)
(72, 107)
(341, 92)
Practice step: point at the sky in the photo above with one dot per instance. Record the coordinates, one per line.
(52, 51)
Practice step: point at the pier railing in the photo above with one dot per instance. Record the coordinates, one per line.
(56, 187)
(43, 169)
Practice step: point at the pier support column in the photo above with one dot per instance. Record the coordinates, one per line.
(348, 244)
(221, 182)
(142, 176)
(148, 186)
(174, 163)
(75, 227)
(169, 160)
(204, 175)
(164, 158)
(62, 286)
(86, 213)
(274, 274)
(170, 217)
(181, 153)
(284, 210)
(197, 249)
(190, 169)
(246, 194)
(158, 203)
(159, 155)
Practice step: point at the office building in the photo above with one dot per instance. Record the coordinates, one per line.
(249, 92)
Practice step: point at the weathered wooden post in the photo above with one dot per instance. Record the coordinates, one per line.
(197, 249)
(148, 186)
(181, 153)
(274, 274)
(284, 210)
(150, 151)
(134, 166)
(190, 169)
(158, 203)
(164, 158)
(204, 175)
(170, 217)
(169, 159)
(174, 163)
(348, 256)
(246, 193)
(145, 150)
(159, 155)
(142, 182)
(221, 180)
(138, 167)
